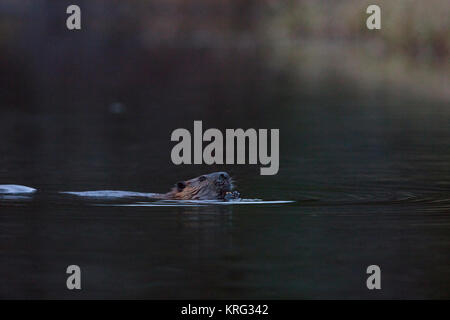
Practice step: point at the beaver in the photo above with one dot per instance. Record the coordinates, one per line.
(213, 186)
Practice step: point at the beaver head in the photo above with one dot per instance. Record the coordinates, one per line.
(213, 186)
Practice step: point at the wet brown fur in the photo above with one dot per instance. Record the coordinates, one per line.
(213, 186)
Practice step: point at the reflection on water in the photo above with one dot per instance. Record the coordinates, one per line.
(201, 203)
(13, 189)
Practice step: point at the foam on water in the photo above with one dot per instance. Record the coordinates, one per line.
(117, 194)
(11, 189)
(110, 194)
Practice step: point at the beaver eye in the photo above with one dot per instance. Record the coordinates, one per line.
(181, 185)
(202, 178)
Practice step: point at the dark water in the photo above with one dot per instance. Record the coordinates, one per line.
(368, 170)
(371, 184)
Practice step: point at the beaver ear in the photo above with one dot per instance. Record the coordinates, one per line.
(181, 185)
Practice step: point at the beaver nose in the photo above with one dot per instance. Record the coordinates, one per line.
(224, 176)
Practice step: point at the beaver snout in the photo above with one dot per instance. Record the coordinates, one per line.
(222, 179)
(224, 176)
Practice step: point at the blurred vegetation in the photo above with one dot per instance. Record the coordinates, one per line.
(416, 28)
(220, 44)
(411, 52)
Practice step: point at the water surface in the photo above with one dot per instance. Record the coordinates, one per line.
(370, 181)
